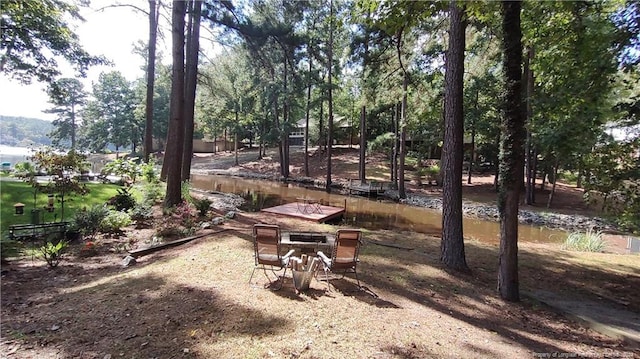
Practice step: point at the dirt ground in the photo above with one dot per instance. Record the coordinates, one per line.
(195, 301)
(567, 198)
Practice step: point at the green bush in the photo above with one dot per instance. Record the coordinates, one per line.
(151, 193)
(115, 221)
(591, 241)
(52, 253)
(185, 189)
(24, 169)
(149, 172)
(88, 222)
(568, 176)
(141, 213)
(432, 174)
(123, 201)
(202, 205)
(127, 168)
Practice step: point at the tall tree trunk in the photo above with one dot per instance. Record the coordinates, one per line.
(279, 129)
(193, 49)
(556, 164)
(511, 152)
(151, 78)
(306, 119)
(362, 175)
(496, 170)
(285, 121)
(580, 174)
(73, 126)
(403, 138)
(472, 155)
(534, 171)
(452, 243)
(322, 139)
(235, 143)
(530, 186)
(330, 74)
(395, 117)
(175, 135)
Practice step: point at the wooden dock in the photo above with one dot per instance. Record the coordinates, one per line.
(320, 212)
(369, 188)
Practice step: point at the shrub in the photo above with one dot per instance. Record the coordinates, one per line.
(141, 213)
(432, 173)
(149, 172)
(591, 241)
(127, 168)
(87, 222)
(185, 214)
(24, 169)
(52, 253)
(123, 201)
(151, 193)
(202, 205)
(185, 189)
(166, 230)
(115, 221)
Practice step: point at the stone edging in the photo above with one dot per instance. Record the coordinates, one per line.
(569, 222)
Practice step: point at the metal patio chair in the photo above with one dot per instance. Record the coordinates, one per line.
(344, 254)
(266, 245)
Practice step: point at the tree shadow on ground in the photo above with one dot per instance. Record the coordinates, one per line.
(419, 277)
(146, 315)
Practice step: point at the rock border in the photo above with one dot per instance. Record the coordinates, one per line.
(568, 222)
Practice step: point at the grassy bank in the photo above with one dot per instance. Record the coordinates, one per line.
(21, 192)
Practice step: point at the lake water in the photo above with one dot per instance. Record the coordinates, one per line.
(14, 155)
(365, 212)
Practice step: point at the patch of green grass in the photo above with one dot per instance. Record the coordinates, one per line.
(13, 192)
(591, 241)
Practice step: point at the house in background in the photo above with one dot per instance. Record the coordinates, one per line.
(343, 132)
(209, 145)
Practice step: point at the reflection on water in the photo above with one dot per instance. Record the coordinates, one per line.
(363, 212)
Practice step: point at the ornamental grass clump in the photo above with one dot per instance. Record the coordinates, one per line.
(590, 241)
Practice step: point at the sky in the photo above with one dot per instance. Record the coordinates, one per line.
(111, 32)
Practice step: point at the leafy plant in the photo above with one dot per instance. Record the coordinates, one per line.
(166, 230)
(59, 166)
(149, 172)
(185, 189)
(52, 253)
(24, 169)
(141, 213)
(151, 193)
(202, 205)
(88, 222)
(432, 173)
(591, 241)
(128, 168)
(185, 214)
(123, 201)
(382, 144)
(115, 221)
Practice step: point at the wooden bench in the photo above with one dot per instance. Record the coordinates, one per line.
(21, 232)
